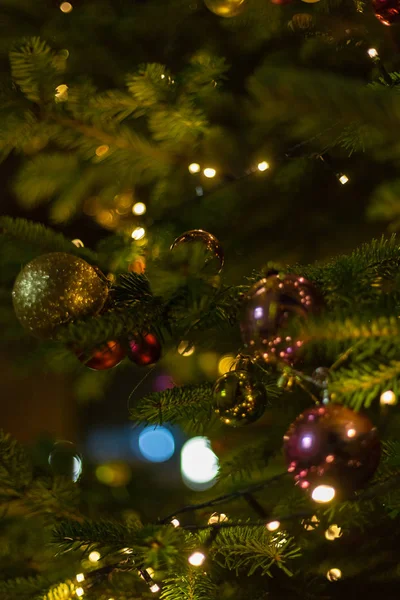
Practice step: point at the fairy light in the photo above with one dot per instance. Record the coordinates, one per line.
(351, 432)
(310, 525)
(334, 574)
(155, 588)
(263, 166)
(139, 208)
(209, 172)
(194, 168)
(372, 52)
(61, 94)
(273, 525)
(102, 150)
(127, 550)
(323, 493)
(197, 559)
(78, 243)
(186, 349)
(80, 577)
(333, 532)
(217, 518)
(79, 591)
(94, 556)
(138, 233)
(388, 398)
(343, 179)
(175, 522)
(66, 7)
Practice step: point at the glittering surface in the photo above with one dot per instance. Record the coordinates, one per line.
(54, 289)
(106, 357)
(210, 242)
(226, 8)
(144, 349)
(239, 398)
(268, 309)
(332, 445)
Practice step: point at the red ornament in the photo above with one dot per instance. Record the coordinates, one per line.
(107, 356)
(332, 447)
(387, 11)
(144, 350)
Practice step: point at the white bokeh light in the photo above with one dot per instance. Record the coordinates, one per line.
(199, 464)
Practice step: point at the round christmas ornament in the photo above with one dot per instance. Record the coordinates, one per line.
(387, 11)
(54, 289)
(226, 8)
(331, 451)
(209, 241)
(239, 398)
(106, 357)
(269, 307)
(65, 461)
(144, 350)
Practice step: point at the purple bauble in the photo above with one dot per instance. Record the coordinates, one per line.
(269, 307)
(332, 446)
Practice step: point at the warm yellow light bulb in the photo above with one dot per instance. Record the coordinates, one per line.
(333, 532)
(194, 168)
(388, 397)
(311, 524)
(186, 349)
(197, 559)
(66, 7)
(263, 165)
(273, 525)
(343, 179)
(334, 574)
(61, 94)
(372, 52)
(78, 243)
(80, 577)
(209, 172)
(138, 233)
(155, 588)
(102, 150)
(139, 208)
(79, 591)
(217, 518)
(323, 493)
(351, 432)
(94, 556)
(225, 363)
(175, 522)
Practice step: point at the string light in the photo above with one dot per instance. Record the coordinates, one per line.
(217, 518)
(273, 525)
(66, 7)
(209, 172)
(61, 94)
(175, 522)
(139, 208)
(334, 574)
(311, 524)
(323, 493)
(127, 550)
(343, 179)
(102, 150)
(154, 588)
(186, 349)
(388, 398)
(333, 532)
(79, 591)
(197, 559)
(351, 432)
(194, 168)
(94, 556)
(78, 243)
(138, 233)
(372, 52)
(263, 166)
(80, 577)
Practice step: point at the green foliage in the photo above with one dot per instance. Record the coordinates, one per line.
(249, 549)
(194, 585)
(15, 467)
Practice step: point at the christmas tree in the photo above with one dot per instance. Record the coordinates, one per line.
(231, 168)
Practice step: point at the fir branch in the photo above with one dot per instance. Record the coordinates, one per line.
(250, 459)
(194, 585)
(177, 405)
(15, 467)
(255, 549)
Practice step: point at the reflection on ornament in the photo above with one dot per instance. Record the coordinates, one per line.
(334, 574)
(387, 11)
(208, 240)
(53, 290)
(269, 307)
(143, 350)
(106, 357)
(65, 461)
(330, 450)
(225, 8)
(239, 398)
(226, 363)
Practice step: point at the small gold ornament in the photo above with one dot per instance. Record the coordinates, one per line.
(226, 8)
(54, 289)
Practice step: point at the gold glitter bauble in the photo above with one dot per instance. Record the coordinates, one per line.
(225, 8)
(54, 289)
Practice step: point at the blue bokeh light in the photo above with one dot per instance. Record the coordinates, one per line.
(156, 444)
